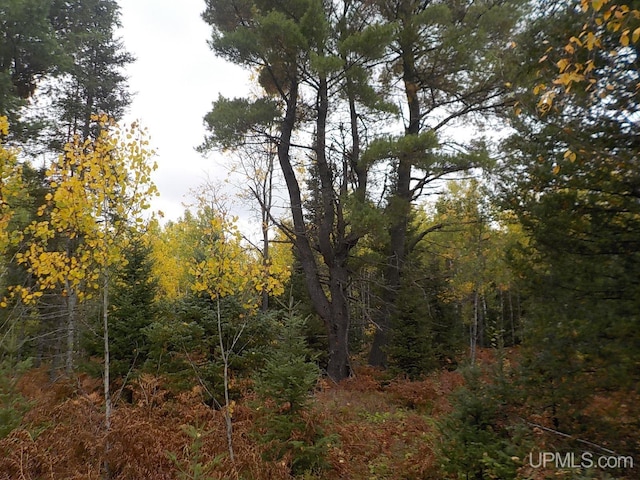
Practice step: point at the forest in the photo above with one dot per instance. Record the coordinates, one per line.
(445, 283)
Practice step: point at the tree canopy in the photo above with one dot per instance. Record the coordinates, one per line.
(443, 279)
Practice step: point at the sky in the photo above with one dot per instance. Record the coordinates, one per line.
(175, 79)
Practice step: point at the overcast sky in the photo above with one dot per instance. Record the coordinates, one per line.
(175, 79)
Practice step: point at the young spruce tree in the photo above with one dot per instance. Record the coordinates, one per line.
(283, 386)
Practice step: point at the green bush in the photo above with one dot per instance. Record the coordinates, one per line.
(477, 439)
(194, 466)
(13, 405)
(283, 386)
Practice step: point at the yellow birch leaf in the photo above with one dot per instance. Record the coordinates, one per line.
(624, 38)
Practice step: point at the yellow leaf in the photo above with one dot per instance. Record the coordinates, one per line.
(562, 64)
(624, 38)
(592, 41)
(597, 4)
(539, 88)
(569, 155)
(556, 169)
(636, 35)
(576, 40)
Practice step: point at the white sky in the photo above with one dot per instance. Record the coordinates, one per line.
(175, 79)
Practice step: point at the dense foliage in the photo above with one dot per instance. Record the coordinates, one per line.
(449, 196)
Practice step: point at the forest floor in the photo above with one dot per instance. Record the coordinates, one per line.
(378, 428)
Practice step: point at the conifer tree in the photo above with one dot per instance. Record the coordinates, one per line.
(307, 54)
(571, 177)
(133, 304)
(29, 51)
(283, 386)
(92, 79)
(449, 60)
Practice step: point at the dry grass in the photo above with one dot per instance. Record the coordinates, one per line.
(384, 429)
(381, 431)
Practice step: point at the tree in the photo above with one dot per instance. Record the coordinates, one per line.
(65, 52)
(458, 291)
(283, 386)
(22, 190)
(257, 168)
(306, 53)
(10, 185)
(478, 274)
(100, 188)
(133, 304)
(174, 244)
(571, 178)
(225, 269)
(448, 62)
(29, 51)
(605, 21)
(92, 79)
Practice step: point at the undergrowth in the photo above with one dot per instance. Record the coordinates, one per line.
(373, 428)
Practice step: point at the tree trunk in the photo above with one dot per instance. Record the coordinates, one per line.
(332, 310)
(473, 334)
(265, 261)
(224, 353)
(107, 371)
(399, 210)
(72, 301)
(339, 366)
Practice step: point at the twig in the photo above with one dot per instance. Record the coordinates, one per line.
(202, 384)
(566, 435)
(124, 382)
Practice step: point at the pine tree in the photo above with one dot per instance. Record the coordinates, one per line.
(308, 54)
(450, 59)
(91, 80)
(29, 52)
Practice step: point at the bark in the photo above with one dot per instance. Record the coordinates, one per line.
(107, 371)
(72, 301)
(333, 310)
(399, 210)
(265, 253)
(224, 352)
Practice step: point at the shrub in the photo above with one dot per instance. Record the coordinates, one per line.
(283, 387)
(12, 404)
(477, 440)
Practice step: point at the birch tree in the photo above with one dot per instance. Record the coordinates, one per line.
(100, 188)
